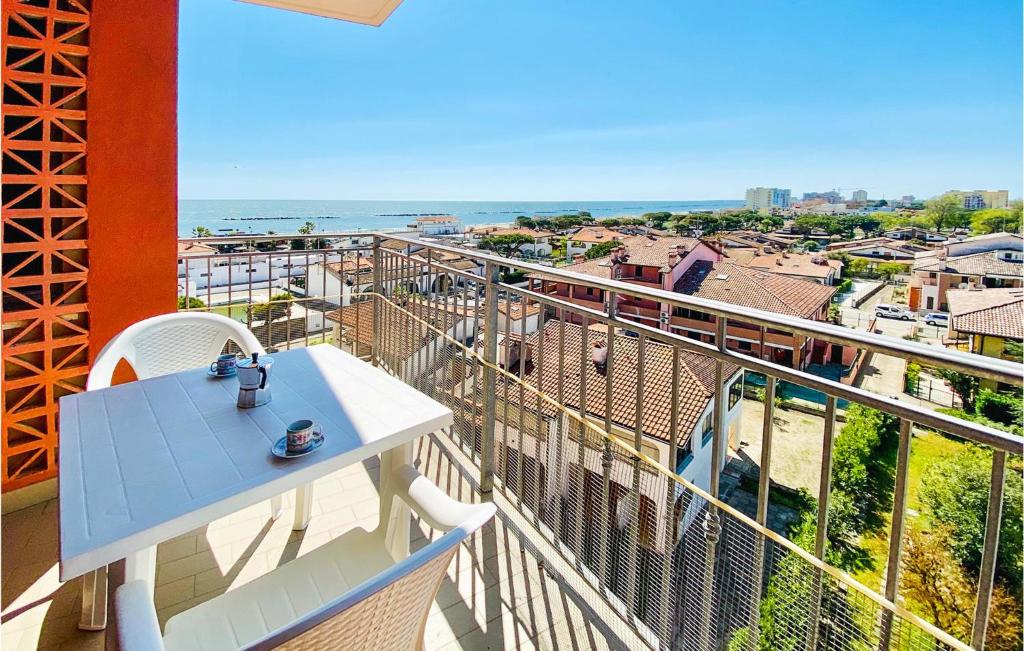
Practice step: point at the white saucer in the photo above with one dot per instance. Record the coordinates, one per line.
(280, 448)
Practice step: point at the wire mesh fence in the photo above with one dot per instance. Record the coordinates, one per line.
(681, 570)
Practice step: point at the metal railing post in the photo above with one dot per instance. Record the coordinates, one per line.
(489, 393)
(607, 457)
(763, 495)
(712, 520)
(378, 292)
(899, 502)
(987, 574)
(821, 531)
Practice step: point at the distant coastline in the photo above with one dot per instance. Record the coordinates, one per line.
(285, 216)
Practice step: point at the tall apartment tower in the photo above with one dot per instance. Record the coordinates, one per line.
(767, 198)
(859, 196)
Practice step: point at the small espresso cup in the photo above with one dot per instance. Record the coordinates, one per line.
(302, 434)
(225, 364)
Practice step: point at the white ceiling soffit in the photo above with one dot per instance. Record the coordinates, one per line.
(365, 12)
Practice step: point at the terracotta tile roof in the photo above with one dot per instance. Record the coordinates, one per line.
(991, 312)
(696, 380)
(194, 248)
(754, 288)
(360, 264)
(357, 323)
(594, 235)
(789, 264)
(653, 251)
(640, 249)
(987, 263)
(599, 267)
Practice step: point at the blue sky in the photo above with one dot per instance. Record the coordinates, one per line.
(597, 100)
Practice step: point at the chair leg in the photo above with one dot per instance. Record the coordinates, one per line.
(276, 506)
(94, 600)
(303, 506)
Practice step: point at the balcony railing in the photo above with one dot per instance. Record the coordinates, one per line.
(576, 455)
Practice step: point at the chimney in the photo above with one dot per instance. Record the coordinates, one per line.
(599, 356)
(673, 257)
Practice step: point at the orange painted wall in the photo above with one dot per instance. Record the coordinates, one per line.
(132, 165)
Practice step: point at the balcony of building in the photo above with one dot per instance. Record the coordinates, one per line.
(602, 539)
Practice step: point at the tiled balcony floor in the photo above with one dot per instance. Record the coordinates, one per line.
(495, 596)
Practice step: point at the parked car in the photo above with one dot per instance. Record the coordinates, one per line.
(894, 312)
(936, 319)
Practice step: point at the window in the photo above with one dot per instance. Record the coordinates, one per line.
(743, 345)
(707, 428)
(684, 455)
(687, 313)
(693, 334)
(735, 392)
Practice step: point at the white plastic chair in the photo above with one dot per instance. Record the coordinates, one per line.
(347, 594)
(162, 344)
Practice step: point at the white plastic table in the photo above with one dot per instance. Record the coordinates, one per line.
(143, 462)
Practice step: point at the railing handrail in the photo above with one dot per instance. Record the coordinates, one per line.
(978, 365)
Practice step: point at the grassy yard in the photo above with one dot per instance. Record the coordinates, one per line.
(926, 448)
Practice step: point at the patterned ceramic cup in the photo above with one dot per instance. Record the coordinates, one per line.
(225, 364)
(301, 434)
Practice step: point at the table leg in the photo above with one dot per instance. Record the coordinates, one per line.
(394, 513)
(141, 566)
(276, 506)
(94, 601)
(303, 506)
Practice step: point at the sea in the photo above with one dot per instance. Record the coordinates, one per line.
(222, 216)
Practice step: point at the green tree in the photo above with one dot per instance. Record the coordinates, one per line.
(278, 307)
(942, 210)
(963, 385)
(192, 303)
(600, 250)
(202, 231)
(861, 481)
(889, 269)
(522, 221)
(933, 580)
(506, 245)
(997, 220)
(955, 489)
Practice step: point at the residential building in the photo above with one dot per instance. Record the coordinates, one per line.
(915, 233)
(882, 249)
(695, 390)
(993, 260)
(540, 247)
(905, 200)
(977, 199)
(991, 320)
(587, 237)
(760, 198)
(809, 266)
(681, 265)
(832, 196)
(433, 225)
(758, 290)
(859, 196)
